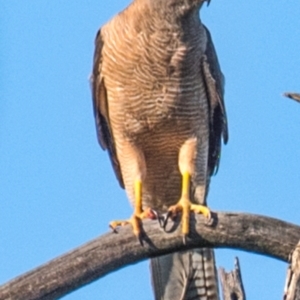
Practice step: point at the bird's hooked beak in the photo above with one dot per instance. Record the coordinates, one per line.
(208, 2)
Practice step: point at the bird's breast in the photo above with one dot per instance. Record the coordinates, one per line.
(155, 83)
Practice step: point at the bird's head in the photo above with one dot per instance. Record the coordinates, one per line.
(177, 3)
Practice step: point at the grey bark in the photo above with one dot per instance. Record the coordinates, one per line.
(232, 285)
(111, 251)
(293, 96)
(292, 285)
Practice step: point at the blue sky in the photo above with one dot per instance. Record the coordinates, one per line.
(57, 187)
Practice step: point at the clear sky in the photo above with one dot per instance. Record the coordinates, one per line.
(57, 187)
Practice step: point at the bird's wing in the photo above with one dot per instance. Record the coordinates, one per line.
(214, 82)
(101, 111)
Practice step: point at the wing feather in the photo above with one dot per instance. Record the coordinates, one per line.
(214, 82)
(101, 111)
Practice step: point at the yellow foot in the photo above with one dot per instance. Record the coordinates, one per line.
(185, 206)
(135, 221)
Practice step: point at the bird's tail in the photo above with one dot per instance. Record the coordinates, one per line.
(185, 275)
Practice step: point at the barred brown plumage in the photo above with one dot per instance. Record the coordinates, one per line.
(158, 103)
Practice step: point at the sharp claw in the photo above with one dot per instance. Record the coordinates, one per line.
(209, 220)
(155, 214)
(161, 220)
(184, 237)
(140, 239)
(210, 217)
(113, 229)
(167, 217)
(136, 222)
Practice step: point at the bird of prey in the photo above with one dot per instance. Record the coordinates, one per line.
(158, 103)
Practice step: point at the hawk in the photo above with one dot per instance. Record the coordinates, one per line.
(157, 93)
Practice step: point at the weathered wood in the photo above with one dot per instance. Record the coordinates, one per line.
(292, 284)
(293, 96)
(232, 284)
(111, 251)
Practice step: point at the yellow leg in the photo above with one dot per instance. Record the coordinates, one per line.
(185, 206)
(185, 200)
(138, 197)
(138, 211)
(138, 215)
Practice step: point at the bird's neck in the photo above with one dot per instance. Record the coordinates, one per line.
(172, 9)
(166, 17)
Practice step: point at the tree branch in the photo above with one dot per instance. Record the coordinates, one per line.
(232, 284)
(293, 96)
(111, 251)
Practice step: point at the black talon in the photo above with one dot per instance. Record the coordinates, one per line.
(113, 229)
(158, 217)
(155, 213)
(209, 221)
(140, 238)
(167, 217)
(184, 237)
(160, 220)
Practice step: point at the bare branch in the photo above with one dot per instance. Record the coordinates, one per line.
(232, 284)
(112, 251)
(293, 96)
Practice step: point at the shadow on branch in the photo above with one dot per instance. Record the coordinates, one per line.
(110, 252)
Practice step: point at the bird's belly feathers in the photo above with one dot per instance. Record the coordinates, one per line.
(158, 124)
(183, 106)
(157, 106)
